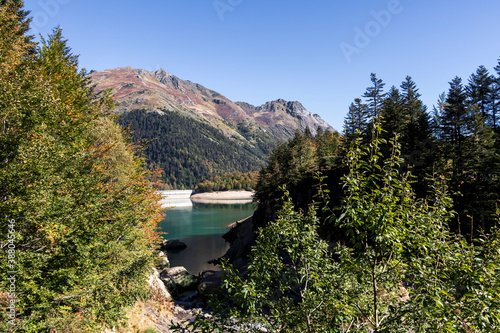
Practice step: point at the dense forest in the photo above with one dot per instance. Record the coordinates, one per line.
(78, 208)
(459, 138)
(190, 151)
(229, 181)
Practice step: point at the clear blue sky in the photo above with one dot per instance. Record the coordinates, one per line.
(319, 52)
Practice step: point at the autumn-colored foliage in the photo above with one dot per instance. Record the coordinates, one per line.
(83, 206)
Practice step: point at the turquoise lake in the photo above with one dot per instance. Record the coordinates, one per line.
(201, 227)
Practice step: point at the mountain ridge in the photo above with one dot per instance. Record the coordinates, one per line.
(195, 133)
(159, 90)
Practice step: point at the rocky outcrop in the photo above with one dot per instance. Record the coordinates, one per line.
(157, 286)
(241, 237)
(162, 261)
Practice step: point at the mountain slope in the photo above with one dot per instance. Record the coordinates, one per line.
(204, 118)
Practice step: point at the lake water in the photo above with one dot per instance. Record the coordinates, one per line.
(201, 227)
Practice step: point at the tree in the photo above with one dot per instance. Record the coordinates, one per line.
(375, 96)
(417, 122)
(327, 143)
(495, 97)
(479, 186)
(479, 90)
(454, 120)
(84, 207)
(393, 121)
(398, 270)
(356, 121)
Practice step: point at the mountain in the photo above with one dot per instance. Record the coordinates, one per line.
(212, 134)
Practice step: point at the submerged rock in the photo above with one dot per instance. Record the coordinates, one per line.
(173, 244)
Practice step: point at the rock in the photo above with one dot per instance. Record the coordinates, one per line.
(162, 261)
(173, 244)
(241, 237)
(157, 286)
(210, 283)
(178, 280)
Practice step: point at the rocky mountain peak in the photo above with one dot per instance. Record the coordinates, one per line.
(160, 91)
(162, 76)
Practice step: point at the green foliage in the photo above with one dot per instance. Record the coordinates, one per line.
(298, 159)
(229, 181)
(187, 150)
(286, 289)
(84, 209)
(400, 269)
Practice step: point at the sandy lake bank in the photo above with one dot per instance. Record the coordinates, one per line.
(224, 195)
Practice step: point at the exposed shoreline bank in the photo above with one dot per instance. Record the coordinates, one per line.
(223, 195)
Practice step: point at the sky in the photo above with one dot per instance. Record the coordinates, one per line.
(317, 52)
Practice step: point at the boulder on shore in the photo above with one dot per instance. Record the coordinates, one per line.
(210, 283)
(157, 286)
(178, 280)
(162, 261)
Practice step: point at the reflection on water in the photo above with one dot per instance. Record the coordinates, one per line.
(176, 203)
(200, 249)
(201, 227)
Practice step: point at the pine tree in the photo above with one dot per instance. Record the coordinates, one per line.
(392, 114)
(375, 96)
(356, 120)
(480, 187)
(479, 90)
(495, 98)
(454, 121)
(417, 134)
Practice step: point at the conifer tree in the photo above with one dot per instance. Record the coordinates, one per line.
(495, 98)
(356, 120)
(480, 187)
(375, 96)
(479, 90)
(416, 135)
(454, 121)
(392, 114)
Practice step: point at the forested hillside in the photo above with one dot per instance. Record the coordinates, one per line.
(199, 132)
(459, 138)
(190, 151)
(229, 181)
